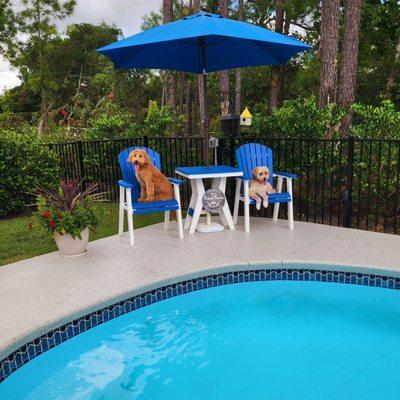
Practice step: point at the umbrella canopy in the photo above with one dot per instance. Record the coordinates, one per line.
(202, 43)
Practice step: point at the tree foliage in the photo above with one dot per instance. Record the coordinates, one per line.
(24, 162)
(83, 96)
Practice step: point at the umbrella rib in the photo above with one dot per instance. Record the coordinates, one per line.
(260, 45)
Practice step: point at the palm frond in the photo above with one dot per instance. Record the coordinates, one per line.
(69, 195)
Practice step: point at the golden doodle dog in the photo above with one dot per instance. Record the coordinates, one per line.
(260, 187)
(154, 185)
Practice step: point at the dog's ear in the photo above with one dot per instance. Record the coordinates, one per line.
(130, 157)
(146, 157)
(254, 173)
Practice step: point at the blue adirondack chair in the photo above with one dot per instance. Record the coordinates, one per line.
(129, 192)
(248, 157)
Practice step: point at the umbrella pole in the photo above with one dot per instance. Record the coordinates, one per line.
(203, 99)
(203, 113)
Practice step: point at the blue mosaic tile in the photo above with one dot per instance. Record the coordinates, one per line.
(53, 338)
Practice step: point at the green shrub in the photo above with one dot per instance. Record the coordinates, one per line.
(111, 122)
(159, 120)
(24, 162)
(382, 122)
(298, 118)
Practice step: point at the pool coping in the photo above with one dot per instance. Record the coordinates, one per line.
(186, 283)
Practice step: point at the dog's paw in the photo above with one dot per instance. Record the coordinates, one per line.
(149, 198)
(258, 205)
(265, 203)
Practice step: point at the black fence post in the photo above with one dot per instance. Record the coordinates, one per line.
(81, 164)
(146, 141)
(348, 216)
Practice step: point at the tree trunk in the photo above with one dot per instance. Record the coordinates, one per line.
(394, 71)
(44, 116)
(282, 68)
(276, 71)
(328, 51)
(238, 86)
(224, 75)
(348, 73)
(196, 6)
(169, 77)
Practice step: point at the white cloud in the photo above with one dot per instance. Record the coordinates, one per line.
(126, 14)
(8, 76)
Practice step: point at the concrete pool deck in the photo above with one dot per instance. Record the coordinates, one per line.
(44, 292)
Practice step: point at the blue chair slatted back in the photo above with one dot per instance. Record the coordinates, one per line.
(253, 155)
(128, 169)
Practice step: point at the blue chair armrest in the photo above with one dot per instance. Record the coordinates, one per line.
(124, 184)
(285, 175)
(244, 178)
(175, 181)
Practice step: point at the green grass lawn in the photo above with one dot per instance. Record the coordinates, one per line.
(22, 237)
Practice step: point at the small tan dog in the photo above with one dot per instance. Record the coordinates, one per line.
(260, 187)
(154, 185)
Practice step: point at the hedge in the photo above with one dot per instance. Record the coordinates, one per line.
(24, 162)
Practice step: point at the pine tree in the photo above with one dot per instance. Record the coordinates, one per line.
(276, 71)
(169, 77)
(348, 73)
(328, 51)
(36, 22)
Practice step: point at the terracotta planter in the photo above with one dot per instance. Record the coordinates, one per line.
(69, 246)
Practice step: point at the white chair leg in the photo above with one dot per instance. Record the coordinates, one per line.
(130, 216)
(246, 206)
(121, 210)
(180, 223)
(179, 211)
(276, 212)
(237, 199)
(276, 206)
(166, 220)
(290, 205)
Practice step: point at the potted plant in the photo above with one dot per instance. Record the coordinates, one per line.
(68, 213)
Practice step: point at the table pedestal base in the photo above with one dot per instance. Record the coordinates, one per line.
(208, 228)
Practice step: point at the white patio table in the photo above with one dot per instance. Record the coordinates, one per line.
(218, 174)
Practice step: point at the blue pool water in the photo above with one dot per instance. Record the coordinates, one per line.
(260, 340)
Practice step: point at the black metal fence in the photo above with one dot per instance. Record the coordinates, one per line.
(347, 182)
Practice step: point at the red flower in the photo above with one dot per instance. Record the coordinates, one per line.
(47, 214)
(52, 223)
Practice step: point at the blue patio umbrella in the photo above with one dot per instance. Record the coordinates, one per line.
(203, 43)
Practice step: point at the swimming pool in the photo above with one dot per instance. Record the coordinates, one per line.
(253, 340)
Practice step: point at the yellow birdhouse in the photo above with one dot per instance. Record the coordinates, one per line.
(245, 117)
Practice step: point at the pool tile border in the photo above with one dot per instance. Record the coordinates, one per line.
(51, 339)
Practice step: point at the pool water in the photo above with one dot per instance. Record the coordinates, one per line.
(260, 340)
